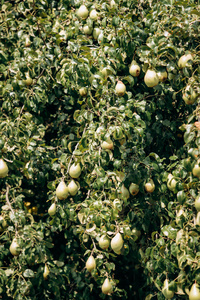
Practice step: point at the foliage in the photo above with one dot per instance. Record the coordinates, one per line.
(48, 124)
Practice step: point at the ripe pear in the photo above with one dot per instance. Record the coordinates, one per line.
(196, 170)
(96, 32)
(166, 292)
(107, 287)
(90, 263)
(151, 78)
(82, 12)
(183, 60)
(120, 88)
(194, 293)
(73, 188)
(14, 248)
(75, 170)
(197, 203)
(3, 224)
(198, 218)
(94, 15)
(171, 183)
(52, 209)
(134, 69)
(87, 29)
(149, 186)
(162, 75)
(62, 191)
(117, 243)
(46, 272)
(83, 91)
(134, 189)
(107, 145)
(104, 242)
(125, 192)
(3, 168)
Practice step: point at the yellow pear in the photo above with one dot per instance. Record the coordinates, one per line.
(62, 191)
(90, 263)
(107, 287)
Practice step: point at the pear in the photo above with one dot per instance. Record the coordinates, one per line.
(94, 15)
(14, 247)
(104, 242)
(197, 203)
(183, 60)
(194, 293)
(73, 188)
(46, 272)
(134, 69)
(117, 243)
(107, 287)
(82, 12)
(75, 170)
(125, 192)
(166, 292)
(149, 186)
(120, 88)
(134, 189)
(3, 168)
(90, 263)
(52, 209)
(151, 78)
(107, 145)
(171, 183)
(62, 191)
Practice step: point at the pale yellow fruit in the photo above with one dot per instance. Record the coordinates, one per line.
(3, 168)
(96, 33)
(113, 4)
(196, 170)
(171, 183)
(14, 248)
(27, 42)
(117, 243)
(189, 98)
(73, 188)
(125, 192)
(82, 12)
(90, 263)
(75, 170)
(134, 70)
(166, 292)
(83, 91)
(46, 272)
(194, 293)
(183, 60)
(87, 29)
(197, 203)
(162, 75)
(151, 78)
(52, 209)
(104, 242)
(107, 145)
(94, 15)
(149, 186)
(3, 224)
(28, 81)
(62, 191)
(134, 189)
(198, 219)
(107, 287)
(120, 88)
